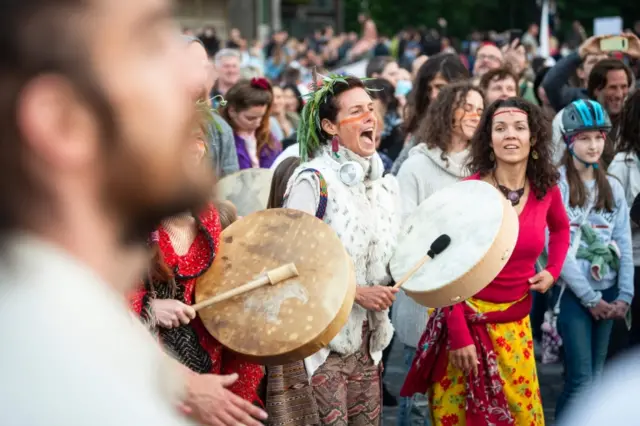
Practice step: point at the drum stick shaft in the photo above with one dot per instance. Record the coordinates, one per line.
(272, 277)
(412, 271)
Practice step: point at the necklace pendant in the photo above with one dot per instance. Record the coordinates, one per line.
(514, 197)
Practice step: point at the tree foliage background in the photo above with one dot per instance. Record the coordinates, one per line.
(466, 15)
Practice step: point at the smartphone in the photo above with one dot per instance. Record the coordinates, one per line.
(614, 44)
(514, 34)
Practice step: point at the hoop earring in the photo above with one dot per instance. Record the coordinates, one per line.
(534, 155)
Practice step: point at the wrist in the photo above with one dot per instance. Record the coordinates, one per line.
(358, 298)
(592, 303)
(582, 52)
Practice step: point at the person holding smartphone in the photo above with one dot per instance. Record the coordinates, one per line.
(581, 63)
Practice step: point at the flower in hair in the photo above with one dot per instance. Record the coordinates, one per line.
(260, 83)
(313, 87)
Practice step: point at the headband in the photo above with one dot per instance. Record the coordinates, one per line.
(511, 111)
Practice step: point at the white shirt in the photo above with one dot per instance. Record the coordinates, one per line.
(252, 149)
(613, 402)
(292, 150)
(72, 353)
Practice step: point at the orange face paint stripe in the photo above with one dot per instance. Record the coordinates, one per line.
(356, 118)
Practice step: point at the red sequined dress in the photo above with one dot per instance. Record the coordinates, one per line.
(192, 344)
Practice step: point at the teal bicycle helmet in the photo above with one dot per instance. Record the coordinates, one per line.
(583, 116)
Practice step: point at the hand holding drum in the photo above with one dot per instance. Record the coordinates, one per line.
(378, 298)
(437, 247)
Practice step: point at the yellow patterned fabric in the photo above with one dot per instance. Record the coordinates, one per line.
(513, 345)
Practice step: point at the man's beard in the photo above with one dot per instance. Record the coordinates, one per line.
(145, 219)
(139, 204)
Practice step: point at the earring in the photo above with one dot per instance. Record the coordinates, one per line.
(492, 157)
(335, 144)
(534, 155)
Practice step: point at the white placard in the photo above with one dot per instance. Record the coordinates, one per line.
(357, 69)
(607, 26)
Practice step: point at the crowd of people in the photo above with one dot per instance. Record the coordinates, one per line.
(116, 128)
(416, 99)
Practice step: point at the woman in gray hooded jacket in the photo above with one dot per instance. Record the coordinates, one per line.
(439, 160)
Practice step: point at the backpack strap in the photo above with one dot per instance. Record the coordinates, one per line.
(322, 205)
(324, 194)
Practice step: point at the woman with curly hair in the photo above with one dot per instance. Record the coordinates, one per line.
(438, 71)
(437, 161)
(476, 358)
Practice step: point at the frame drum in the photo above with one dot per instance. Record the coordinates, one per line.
(483, 227)
(247, 189)
(288, 321)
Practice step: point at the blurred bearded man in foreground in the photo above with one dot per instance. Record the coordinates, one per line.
(95, 109)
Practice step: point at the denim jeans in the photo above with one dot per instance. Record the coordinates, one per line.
(418, 404)
(585, 343)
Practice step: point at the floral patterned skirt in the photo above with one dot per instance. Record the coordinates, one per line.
(513, 345)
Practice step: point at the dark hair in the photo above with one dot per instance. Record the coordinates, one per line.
(39, 37)
(498, 74)
(542, 172)
(281, 176)
(330, 107)
(598, 77)
(537, 82)
(290, 75)
(377, 64)
(297, 94)
(578, 196)
(242, 96)
(382, 90)
(629, 141)
(446, 65)
(435, 129)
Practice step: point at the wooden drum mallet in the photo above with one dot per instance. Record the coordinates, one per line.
(272, 277)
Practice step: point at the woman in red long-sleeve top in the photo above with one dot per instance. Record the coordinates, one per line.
(184, 249)
(476, 358)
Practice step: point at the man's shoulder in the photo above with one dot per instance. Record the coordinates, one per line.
(75, 354)
(222, 123)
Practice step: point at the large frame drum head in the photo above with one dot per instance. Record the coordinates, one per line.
(483, 227)
(247, 189)
(288, 321)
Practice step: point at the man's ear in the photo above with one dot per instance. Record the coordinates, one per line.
(329, 127)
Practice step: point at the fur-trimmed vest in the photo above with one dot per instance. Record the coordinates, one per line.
(366, 218)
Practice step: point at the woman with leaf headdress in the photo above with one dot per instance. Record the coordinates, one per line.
(340, 181)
